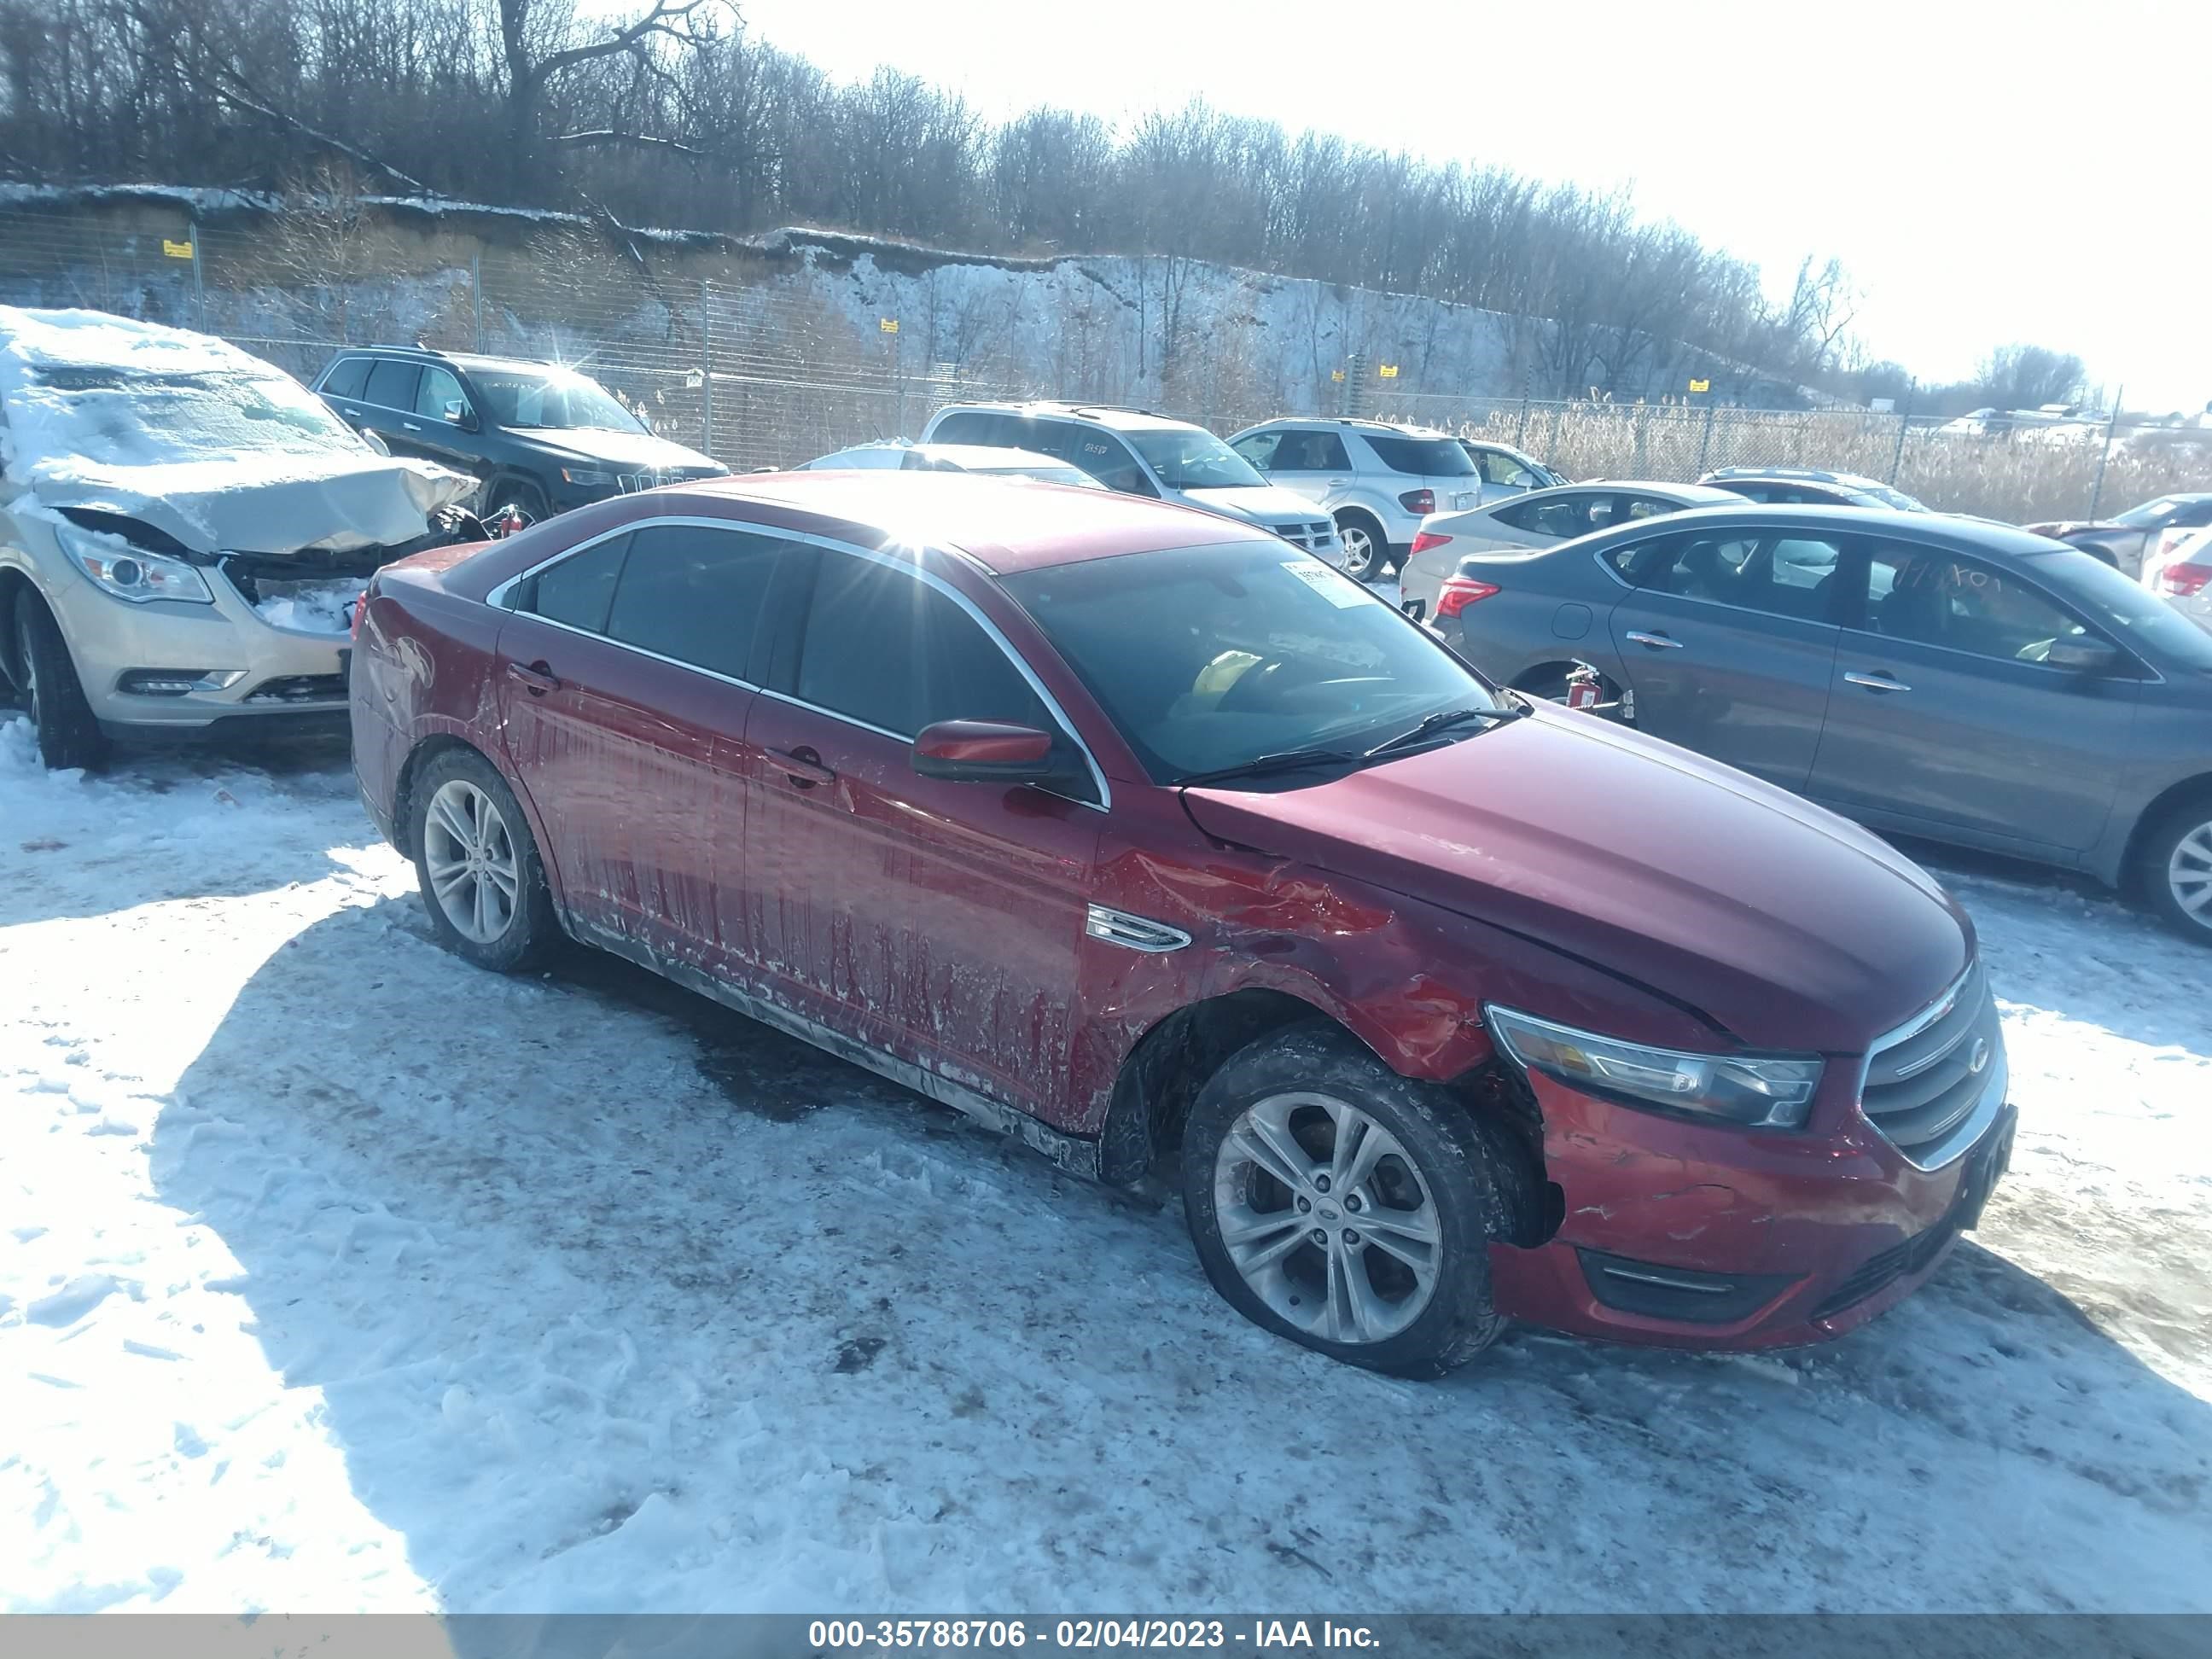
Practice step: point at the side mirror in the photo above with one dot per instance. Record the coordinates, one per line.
(459, 414)
(983, 751)
(2083, 656)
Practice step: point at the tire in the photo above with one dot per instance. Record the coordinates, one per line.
(1258, 1162)
(2174, 868)
(529, 496)
(1372, 557)
(467, 825)
(61, 720)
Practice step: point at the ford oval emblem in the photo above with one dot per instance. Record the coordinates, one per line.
(1979, 1059)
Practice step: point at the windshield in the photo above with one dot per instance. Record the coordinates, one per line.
(554, 399)
(2136, 618)
(131, 418)
(1059, 474)
(1191, 459)
(2151, 514)
(1210, 657)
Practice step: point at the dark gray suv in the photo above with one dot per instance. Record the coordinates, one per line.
(540, 436)
(1930, 675)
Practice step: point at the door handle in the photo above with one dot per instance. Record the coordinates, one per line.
(1657, 642)
(803, 766)
(411, 426)
(537, 679)
(1877, 682)
(1338, 484)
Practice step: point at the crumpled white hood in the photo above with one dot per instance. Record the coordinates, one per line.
(247, 506)
(204, 442)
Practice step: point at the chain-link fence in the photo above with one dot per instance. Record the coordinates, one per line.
(764, 363)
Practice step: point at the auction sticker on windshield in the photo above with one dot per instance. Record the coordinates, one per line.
(1336, 589)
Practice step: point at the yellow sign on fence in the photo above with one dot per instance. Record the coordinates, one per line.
(889, 325)
(176, 250)
(1701, 385)
(1336, 374)
(1388, 371)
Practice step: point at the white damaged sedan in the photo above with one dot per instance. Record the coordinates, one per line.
(183, 527)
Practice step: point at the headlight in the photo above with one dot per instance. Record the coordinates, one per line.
(121, 570)
(1768, 1092)
(590, 476)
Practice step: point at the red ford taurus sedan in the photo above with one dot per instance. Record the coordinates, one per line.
(1130, 829)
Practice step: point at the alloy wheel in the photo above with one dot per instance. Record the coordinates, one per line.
(2189, 874)
(1359, 550)
(469, 853)
(1326, 1217)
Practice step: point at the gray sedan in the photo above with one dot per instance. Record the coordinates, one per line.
(1540, 518)
(1942, 678)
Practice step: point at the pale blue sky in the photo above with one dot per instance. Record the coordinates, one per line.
(1988, 173)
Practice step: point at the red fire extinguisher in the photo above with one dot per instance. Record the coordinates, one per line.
(1584, 689)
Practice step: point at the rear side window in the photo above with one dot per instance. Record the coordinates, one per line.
(1497, 467)
(576, 591)
(346, 377)
(1100, 453)
(1560, 516)
(694, 594)
(392, 384)
(886, 648)
(1422, 457)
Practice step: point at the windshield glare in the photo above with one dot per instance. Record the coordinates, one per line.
(2150, 515)
(2136, 617)
(1210, 657)
(517, 397)
(1193, 460)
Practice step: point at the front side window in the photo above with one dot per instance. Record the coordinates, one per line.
(439, 393)
(1208, 657)
(1927, 598)
(1190, 458)
(1259, 448)
(886, 648)
(1101, 454)
(1421, 457)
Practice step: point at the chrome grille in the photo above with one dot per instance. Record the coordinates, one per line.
(631, 483)
(1933, 1085)
(1314, 536)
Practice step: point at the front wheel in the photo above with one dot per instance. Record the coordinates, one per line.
(1347, 1208)
(61, 718)
(477, 864)
(2175, 867)
(1365, 550)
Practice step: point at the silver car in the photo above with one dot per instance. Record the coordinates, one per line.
(182, 530)
(1539, 519)
(1377, 480)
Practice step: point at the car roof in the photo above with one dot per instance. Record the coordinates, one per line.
(1005, 526)
(462, 359)
(1800, 474)
(1356, 424)
(1684, 492)
(995, 455)
(1107, 414)
(1976, 535)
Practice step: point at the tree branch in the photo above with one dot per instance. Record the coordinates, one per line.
(605, 138)
(663, 19)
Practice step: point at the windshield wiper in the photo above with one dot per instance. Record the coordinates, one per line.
(1432, 723)
(1289, 760)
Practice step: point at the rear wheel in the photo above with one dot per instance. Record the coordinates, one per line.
(61, 718)
(1347, 1208)
(476, 862)
(2175, 869)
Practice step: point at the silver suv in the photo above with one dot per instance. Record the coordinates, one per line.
(1377, 480)
(182, 530)
(1141, 453)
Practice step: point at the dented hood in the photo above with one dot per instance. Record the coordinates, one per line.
(1783, 924)
(246, 506)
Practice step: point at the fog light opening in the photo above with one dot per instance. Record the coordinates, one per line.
(177, 682)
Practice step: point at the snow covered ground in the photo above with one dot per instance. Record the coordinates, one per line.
(336, 1275)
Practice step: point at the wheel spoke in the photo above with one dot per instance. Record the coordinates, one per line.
(1419, 1256)
(1360, 1146)
(446, 879)
(1419, 1225)
(503, 877)
(1271, 1147)
(451, 820)
(482, 908)
(1283, 1231)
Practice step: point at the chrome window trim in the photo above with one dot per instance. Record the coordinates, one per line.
(501, 597)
